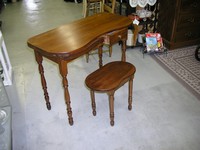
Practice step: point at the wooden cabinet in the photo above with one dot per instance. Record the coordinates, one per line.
(179, 22)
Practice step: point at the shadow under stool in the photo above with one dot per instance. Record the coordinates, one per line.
(108, 79)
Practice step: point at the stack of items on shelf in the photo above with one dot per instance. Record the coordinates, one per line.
(154, 42)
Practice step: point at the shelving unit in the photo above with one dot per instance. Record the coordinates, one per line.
(5, 120)
(5, 66)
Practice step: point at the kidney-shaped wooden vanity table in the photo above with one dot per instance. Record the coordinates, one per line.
(68, 42)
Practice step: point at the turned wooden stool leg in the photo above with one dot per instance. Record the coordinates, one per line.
(130, 91)
(93, 102)
(111, 105)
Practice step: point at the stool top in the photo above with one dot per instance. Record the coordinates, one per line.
(110, 76)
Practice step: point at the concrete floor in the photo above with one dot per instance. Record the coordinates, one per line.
(165, 116)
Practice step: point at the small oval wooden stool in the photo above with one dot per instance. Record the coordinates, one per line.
(108, 79)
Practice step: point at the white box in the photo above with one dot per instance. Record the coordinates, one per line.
(129, 41)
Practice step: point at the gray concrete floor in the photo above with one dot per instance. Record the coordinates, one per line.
(165, 116)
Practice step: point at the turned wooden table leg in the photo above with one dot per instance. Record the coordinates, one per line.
(111, 105)
(130, 91)
(123, 50)
(63, 72)
(110, 50)
(100, 51)
(39, 60)
(135, 34)
(87, 57)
